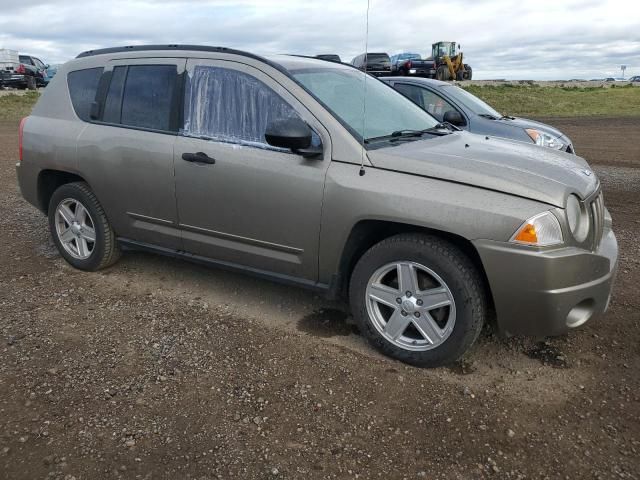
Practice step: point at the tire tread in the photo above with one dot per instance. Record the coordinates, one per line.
(469, 275)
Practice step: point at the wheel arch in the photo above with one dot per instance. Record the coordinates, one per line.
(49, 181)
(366, 233)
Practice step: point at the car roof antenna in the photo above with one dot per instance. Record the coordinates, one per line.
(364, 97)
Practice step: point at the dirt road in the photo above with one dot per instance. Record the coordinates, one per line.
(157, 368)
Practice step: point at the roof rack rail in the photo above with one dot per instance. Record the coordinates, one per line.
(171, 46)
(177, 47)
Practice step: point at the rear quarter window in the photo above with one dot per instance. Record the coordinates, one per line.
(83, 85)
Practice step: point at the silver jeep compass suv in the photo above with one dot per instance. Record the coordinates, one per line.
(273, 166)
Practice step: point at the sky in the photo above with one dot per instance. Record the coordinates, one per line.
(538, 40)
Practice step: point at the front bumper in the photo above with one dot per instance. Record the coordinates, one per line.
(548, 292)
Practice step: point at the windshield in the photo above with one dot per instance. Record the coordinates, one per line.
(470, 101)
(341, 91)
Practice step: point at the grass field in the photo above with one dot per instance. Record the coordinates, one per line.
(14, 107)
(523, 100)
(536, 101)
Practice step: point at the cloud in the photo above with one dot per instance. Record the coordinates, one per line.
(500, 38)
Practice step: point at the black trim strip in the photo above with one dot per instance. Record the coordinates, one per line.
(229, 266)
(145, 218)
(101, 93)
(249, 241)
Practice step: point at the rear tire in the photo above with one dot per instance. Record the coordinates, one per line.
(31, 83)
(438, 319)
(75, 218)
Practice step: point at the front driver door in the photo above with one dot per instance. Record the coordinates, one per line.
(256, 206)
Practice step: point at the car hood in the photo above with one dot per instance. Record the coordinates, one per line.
(526, 123)
(508, 166)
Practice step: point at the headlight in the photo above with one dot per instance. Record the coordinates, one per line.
(544, 139)
(577, 218)
(540, 230)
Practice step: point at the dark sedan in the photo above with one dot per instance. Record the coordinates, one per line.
(450, 103)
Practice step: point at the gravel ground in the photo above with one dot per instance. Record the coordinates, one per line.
(157, 368)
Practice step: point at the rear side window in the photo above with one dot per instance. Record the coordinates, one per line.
(148, 96)
(232, 106)
(83, 85)
(141, 96)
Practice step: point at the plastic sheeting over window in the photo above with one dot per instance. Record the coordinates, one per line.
(232, 106)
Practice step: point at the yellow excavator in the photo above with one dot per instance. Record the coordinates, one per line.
(448, 62)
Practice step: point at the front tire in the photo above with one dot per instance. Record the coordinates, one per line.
(419, 299)
(443, 74)
(80, 228)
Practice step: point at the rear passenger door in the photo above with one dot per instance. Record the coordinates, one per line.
(126, 153)
(256, 206)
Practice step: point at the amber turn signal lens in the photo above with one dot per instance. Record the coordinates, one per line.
(540, 230)
(527, 234)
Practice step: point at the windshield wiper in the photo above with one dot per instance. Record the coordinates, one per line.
(440, 129)
(488, 115)
(507, 117)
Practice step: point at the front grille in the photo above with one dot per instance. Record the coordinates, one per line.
(597, 219)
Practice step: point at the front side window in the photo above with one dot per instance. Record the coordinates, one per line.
(83, 85)
(232, 106)
(470, 101)
(426, 99)
(342, 93)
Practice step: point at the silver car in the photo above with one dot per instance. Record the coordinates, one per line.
(275, 167)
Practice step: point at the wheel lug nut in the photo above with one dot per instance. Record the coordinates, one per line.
(420, 302)
(404, 314)
(408, 293)
(399, 300)
(417, 314)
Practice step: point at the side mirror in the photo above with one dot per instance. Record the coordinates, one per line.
(294, 134)
(454, 118)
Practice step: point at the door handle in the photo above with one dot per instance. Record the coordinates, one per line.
(198, 157)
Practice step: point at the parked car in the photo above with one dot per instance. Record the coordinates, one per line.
(424, 228)
(50, 73)
(377, 64)
(9, 60)
(332, 57)
(450, 103)
(29, 73)
(412, 64)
